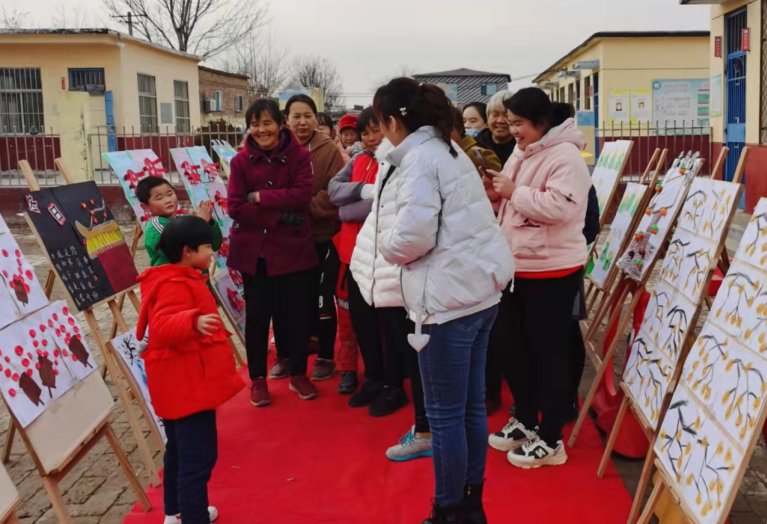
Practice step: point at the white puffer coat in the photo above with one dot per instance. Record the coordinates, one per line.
(378, 279)
(453, 258)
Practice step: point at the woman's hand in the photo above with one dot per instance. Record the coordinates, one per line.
(502, 185)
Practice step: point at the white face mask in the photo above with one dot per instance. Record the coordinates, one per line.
(473, 133)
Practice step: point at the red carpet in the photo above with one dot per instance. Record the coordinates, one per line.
(323, 462)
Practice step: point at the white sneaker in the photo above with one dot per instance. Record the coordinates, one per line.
(536, 453)
(513, 435)
(176, 519)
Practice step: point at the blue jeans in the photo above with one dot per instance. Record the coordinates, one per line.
(453, 373)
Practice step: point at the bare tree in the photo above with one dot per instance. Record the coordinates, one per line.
(319, 71)
(262, 60)
(72, 16)
(13, 18)
(202, 27)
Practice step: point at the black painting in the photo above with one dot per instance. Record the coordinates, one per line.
(83, 240)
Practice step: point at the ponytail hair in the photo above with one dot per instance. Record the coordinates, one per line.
(416, 105)
(534, 104)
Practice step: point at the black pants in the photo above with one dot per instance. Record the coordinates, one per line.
(499, 349)
(396, 328)
(190, 454)
(369, 330)
(542, 318)
(327, 279)
(287, 301)
(577, 362)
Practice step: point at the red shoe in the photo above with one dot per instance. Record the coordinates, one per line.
(259, 393)
(302, 387)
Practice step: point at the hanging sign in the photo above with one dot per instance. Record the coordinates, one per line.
(718, 47)
(745, 39)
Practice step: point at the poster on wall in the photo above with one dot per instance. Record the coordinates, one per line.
(41, 357)
(83, 241)
(717, 94)
(129, 349)
(641, 105)
(681, 103)
(618, 106)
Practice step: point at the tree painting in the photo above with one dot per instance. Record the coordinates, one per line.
(717, 411)
(20, 291)
(42, 356)
(606, 173)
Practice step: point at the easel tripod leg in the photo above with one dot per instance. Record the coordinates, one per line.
(644, 481)
(8, 445)
(613, 437)
(646, 515)
(57, 500)
(125, 464)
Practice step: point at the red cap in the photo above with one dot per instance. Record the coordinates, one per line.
(348, 120)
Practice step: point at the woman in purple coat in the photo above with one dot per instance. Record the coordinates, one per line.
(270, 188)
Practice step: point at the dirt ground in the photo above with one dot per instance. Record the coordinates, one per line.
(96, 491)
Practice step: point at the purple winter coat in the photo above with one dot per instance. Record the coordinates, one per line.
(283, 178)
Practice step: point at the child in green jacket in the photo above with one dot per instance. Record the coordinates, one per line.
(158, 197)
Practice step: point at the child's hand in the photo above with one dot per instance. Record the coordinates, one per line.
(207, 324)
(205, 211)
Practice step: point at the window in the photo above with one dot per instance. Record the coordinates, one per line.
(571, 94)
(181, 96)
(90, 79)
(218, 101)
(587, 94)
(147, 104)
(21, 101)
(238, 103)
(578, 95)
(489, 89)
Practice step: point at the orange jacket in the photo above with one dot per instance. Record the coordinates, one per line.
(186, 371)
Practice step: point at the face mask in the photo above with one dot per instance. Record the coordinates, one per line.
(473, 133)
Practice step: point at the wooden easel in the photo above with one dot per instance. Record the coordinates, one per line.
(53, 474)
(624, 288)
(597, 294)
(628, 400)
(122, 384)
(9, 499)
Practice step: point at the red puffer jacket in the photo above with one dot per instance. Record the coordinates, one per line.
(186, 371)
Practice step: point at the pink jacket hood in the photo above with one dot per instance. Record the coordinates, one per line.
(543, 220)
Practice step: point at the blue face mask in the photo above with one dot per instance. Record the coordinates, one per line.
(473, 133)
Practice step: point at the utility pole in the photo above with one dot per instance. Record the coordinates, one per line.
(128, 18)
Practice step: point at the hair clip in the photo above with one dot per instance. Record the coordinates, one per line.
(403, 111)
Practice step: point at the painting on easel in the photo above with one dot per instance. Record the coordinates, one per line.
(129, 349)
(225, 153)
(20, 291)
(659, 216)
(83, 240)
(718, 408)
(42, 356)
(130, 167)
(608, 170)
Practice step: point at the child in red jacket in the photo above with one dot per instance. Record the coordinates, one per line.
(189, 365)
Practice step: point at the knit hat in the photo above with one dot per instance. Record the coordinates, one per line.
(348, 120)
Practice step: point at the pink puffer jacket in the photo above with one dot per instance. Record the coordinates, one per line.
(543, 220)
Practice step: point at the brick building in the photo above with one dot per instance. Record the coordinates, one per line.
(223, 96)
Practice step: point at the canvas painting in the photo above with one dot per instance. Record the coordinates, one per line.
(129, 349)
(225, 153)
(191, 176)
(708, 207)
(41, 357)
(718, 409)
(647, 374)
(606, 257)
(83, 241)
(130, 167)
(698, 458)
(228, 286)
(20, 291)
(608, 169)
(657, 221)
(688, 261)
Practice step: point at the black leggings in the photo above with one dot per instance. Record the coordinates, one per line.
(289, 302)
(327, 279)
(541, 317)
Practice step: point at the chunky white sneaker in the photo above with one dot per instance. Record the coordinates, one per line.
(513, 435)
(536, 453)
(176, 519)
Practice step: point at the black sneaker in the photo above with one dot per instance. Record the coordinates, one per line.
(348, 384)
(389, 401)
(366, 394)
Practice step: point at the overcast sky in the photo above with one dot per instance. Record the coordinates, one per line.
(370, 40)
